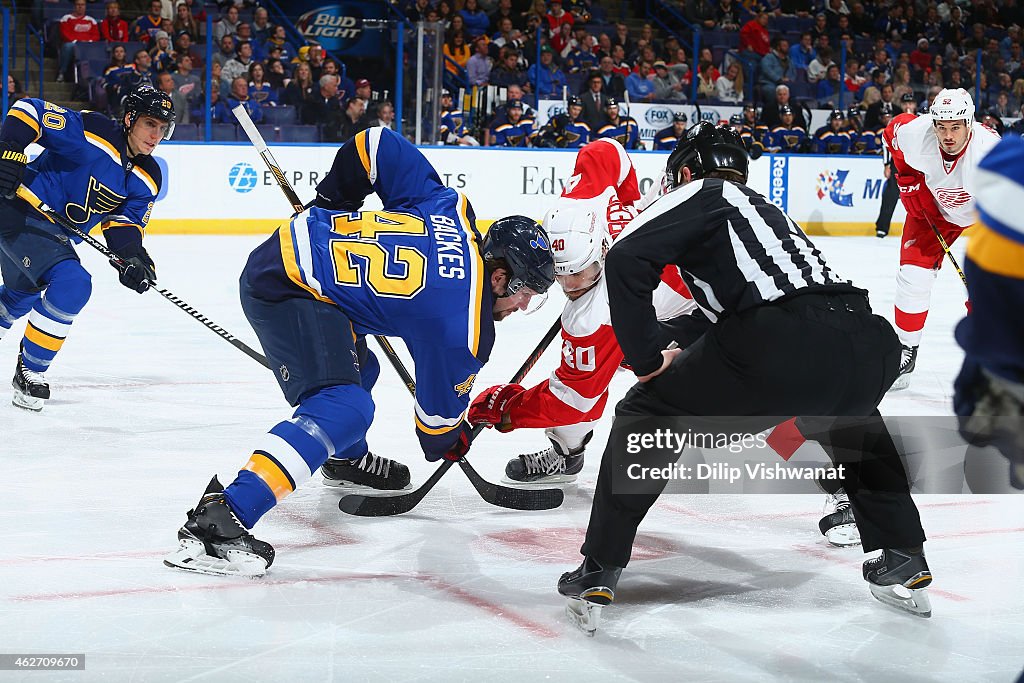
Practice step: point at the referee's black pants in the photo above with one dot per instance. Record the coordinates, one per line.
(890, 196)
(815, 354)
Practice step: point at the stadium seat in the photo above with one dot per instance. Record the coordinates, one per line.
(268, 131)
(186, 132)
(92, 51)
(298, 133)
(281, 115)
(223, 132)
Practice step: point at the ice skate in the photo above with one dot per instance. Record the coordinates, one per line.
(213, 541)
(908, 361)
(898, 579)
(30, 388)
(838, 526)
(549, 466)
(367, 474)
(589, 588)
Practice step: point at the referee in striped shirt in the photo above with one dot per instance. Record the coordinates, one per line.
(788, 338)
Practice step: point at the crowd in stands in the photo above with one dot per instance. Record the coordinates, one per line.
(254, 65)
(832, 54)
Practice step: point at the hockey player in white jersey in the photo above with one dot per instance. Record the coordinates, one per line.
(596, 205)
(936, 157)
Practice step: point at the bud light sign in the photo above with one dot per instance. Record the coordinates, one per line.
(343, 29)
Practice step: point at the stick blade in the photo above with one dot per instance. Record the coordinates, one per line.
(378, 506)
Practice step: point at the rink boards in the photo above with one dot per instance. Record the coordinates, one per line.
(226, 189)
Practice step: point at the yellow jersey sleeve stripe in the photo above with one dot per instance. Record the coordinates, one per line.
(30, 197)
(27, 120)
(272, 474)
(47, 341)
(103, 145)
(291, 264)
(364, 157)
(995, 253)
(433, 431)
(476, 268)
(146, 178)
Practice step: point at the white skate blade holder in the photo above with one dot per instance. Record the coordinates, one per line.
(544, 482)
(911, 600)
(192, 556)
(584, 615)
(359, 489)
(901, 383)
(843, 535)
(23, 400)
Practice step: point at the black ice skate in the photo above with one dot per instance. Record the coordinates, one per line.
(549, 466)
(908, 361)
(838, 525)
(213, 541)
(589, 588)
(366, 474)
(30, 388)
(898, 579)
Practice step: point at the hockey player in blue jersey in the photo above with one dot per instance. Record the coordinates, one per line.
(93, 171)
(624, 129)
(832, 138)
(564, 131)
(787, 138)
(516, 130)
(417, 270)
(452, 130)
(665, 139)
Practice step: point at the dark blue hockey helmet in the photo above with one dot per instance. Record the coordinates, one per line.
(520, 245)
(736, 120)
(679, 117)
(145, 100)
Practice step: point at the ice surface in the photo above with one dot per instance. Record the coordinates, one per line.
(148, 405)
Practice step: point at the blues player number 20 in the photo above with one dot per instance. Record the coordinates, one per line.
(360, 257)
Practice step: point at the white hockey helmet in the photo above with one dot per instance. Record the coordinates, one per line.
(578, 237)
(952, 105)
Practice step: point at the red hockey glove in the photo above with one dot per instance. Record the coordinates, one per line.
(490, 406)
(917, 200)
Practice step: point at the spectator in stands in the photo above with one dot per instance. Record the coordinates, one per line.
(594, 100)
(701, 12)
(816, 70)
(14, 91)
(639, 85)
(829, 88)
(315, 57)
(614, 82)
(547, 79)
(187, 82)
(803, 53)
(561, 42)
(776, 69)
(219, 112)
(901, 81)
(557, 16)
(418, 12)
(260, 90)
(244, 35)
(880, 62)
(860, 23)
(323, 107)
(226, 52)
(240, 96)
(276, 75)
(353, 121)
(217, 73)
(184, 21)
(161, 52)
(873, 113)
(706, 56)
(667, 86)
(113, 28)
(878, 79)
(143, 28)
(729, 86)
(261, 27)
(141, 72)
(239, 66)
(346, 87)
(706, 81)
(647, 35)
(75, 27)
(456, 51)
(165, 83)
(227, 25)
(478, 68)
(755, 42)
(301, 86)
(623, 38)
(820, 29)
(770, 112)
(853, 79)
(507, 71)
(503, 10)
(476, 19)
(114, 73)
(385, 116)
(183, 45)
(279, 39)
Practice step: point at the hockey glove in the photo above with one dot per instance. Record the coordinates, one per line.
(138, 271)
(12, 168)
(462, 444)
(917, 200)
(491, 406)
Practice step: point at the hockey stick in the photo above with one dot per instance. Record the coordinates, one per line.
(502, 496)
(945, 248)
(32, 201)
